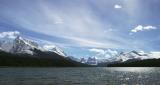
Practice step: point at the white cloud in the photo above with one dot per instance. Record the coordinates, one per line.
(150, 55)
(117, 6)
(99, 51)
(154, 55)
(149, 27)
(142, 28)
(9, 34)
(138, 28)
(112, 52)
(104, 54)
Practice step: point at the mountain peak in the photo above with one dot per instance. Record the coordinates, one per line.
(54, 48)
(12, 42)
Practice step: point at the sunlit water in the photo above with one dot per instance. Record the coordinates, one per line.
(80, 76)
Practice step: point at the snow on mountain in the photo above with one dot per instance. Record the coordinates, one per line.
(55, 49)
(12, 42)
(83, 60)
(21, 45)
(129, 56)
(91, 61)
(133, 55)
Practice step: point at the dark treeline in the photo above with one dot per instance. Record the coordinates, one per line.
(49, 60)
(138, 63)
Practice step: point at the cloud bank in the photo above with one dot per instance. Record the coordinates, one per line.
(103, 54)
(9, 34)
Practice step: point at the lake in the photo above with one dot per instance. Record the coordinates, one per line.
(80, 76)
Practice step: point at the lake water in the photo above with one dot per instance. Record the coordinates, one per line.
(80, 76)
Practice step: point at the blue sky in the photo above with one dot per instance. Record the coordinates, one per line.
(86, 27)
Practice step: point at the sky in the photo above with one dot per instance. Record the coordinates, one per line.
(84, 28)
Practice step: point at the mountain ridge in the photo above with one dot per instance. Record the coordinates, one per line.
(22, 45)
(18, 51)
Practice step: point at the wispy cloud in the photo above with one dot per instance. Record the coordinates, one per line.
(76, 23)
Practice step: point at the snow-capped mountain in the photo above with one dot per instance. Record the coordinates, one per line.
(91, 61)
(129, 56)
(17, 45)
(12, 42)
(53, 48)
(83, 60)
(21, 45)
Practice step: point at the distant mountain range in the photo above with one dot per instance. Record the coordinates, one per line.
(18, 51)
(133, 59)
